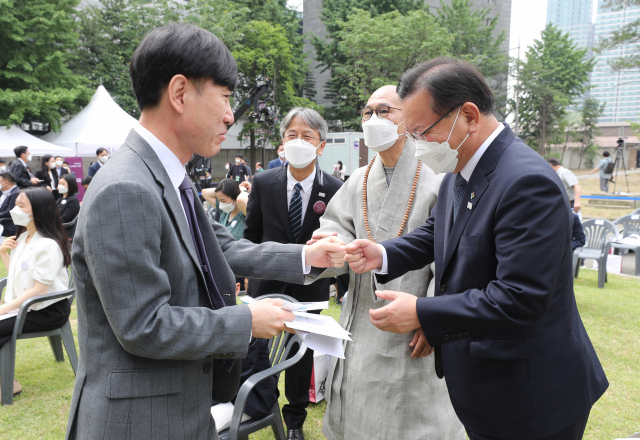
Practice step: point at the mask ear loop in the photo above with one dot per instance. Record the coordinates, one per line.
(454, 124)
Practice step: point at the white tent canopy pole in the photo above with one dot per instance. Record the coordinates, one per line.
(102, 123)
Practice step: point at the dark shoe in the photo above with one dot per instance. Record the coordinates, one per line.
(295, 434)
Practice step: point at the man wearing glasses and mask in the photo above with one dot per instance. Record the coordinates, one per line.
(507, 334)
(285, 206)
(386, 387)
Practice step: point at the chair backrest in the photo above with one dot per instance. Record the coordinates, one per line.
(637, 211)
(598, 233)
(630, 224)
(278, 344)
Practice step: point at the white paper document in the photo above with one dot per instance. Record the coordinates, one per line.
(293, 307)
(322, 344)
(318, 324)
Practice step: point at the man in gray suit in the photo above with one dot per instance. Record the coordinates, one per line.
(153, 275)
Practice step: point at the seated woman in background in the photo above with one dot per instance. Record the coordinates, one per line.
(68, 204)
(36, 265)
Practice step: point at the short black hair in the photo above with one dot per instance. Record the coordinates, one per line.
(58, 157)
(450, 83)
(174, 49)
(19, 151)
(259, 164)
(240, 156)
(87, 180)
(73, 185)
(606, 154)
(229, 187)
(100, 150)
(553, 161)
(2, 161)
(65, 162)
(8, 177)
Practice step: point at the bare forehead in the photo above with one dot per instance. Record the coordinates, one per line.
(385, 95)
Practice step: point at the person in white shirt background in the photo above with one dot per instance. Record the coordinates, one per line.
(36, 259)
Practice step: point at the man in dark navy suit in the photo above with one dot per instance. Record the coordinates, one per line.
(277, 163)
(102, 156)
(10, 192)
(504, 322)
(285, 206)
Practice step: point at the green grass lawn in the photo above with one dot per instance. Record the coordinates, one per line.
(611, 316)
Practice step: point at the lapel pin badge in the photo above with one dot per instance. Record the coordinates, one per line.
(319, 207)
(469, 205)
(321, 194)
(473, 194)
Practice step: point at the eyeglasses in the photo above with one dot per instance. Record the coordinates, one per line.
(306, 137)
(417, 136)
(382, 111)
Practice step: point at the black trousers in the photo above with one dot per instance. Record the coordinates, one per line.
(297, 381)
(343, 286)
(49, 318)
(572, 432)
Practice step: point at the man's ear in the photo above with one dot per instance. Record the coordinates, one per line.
(175, 92)
(322, 145)
(471, 115)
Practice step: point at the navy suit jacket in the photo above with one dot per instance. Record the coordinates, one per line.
(504, 321)
(93, 169)
(8, 204)
(268, 220)
(578, 238)
(275, 163)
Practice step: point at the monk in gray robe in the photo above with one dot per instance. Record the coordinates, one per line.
(384, 389)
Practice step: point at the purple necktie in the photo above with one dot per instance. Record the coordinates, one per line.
(186, 195)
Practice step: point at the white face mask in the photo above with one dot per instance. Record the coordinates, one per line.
(58, 163)
(226, 167)
(52, 166)
(3, 168)
(281, 155)
(300, 153)
(379, 133)
(29, 157)
(226, 207)
(237, 160)
(103, 159)
(63, 189)
(439, 156)
(19, 217)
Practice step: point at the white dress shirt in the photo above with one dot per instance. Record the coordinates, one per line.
(305, 193)
(39, 260)
(466, 172)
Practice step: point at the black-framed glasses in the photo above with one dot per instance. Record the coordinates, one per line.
(417, 136)
(382, 111)
(306, 137)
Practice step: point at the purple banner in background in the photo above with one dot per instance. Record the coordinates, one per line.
(75, 165)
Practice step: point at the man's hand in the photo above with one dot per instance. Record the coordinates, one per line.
(363, 256)
(317, 236)
(328, 252)
(420, 344)
(576, 206)
(35, 180)
(246, 186)
(400, 316)
(267, 318)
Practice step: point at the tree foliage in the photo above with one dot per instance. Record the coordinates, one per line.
(554, 73)
(37, 40)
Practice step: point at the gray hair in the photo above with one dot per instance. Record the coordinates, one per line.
(310, 117)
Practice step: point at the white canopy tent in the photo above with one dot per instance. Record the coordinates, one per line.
(102, 123)
(14, 137)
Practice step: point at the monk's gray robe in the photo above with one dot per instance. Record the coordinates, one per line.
(378, 391)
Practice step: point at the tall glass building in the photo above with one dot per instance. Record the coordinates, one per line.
(620, 90)
(587, 25)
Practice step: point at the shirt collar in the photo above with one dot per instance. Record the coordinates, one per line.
(307, 183)
(23, 162)
(467, 171)
(172, 165)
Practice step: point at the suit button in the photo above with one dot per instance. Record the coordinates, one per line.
(207, 367)
(460, 334)
(229, 355)
(443, 287)
(446, 337)
(467, 333)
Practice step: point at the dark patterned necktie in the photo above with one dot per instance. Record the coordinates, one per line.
(295, 212)
(458, 193)
(186, 195)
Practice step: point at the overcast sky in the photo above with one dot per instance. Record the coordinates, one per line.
(528, 18)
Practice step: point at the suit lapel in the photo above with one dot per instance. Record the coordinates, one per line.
(279, 193)
(173, 203)
(448, 211)
(477, 184)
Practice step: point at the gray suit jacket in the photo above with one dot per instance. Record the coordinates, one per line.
(147, 332)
